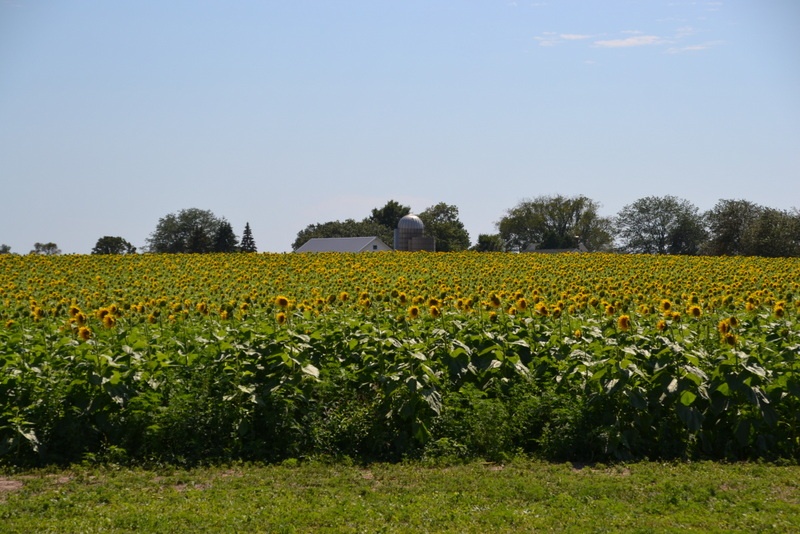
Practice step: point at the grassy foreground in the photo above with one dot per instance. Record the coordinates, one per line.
(478, 497)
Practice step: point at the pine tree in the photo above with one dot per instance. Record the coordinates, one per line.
(225, 240)
(248, 244)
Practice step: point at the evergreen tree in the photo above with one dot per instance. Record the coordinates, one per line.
(198, 242)
(224, 239)
(248, 243)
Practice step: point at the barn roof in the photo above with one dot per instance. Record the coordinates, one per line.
(344, 244)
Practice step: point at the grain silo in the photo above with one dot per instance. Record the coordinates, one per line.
(409, 236)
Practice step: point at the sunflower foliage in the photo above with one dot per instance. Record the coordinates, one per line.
(188, 359)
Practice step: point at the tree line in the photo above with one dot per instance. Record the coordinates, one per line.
(650, 225)
(189, 231)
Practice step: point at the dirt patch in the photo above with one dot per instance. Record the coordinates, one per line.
(6, 484)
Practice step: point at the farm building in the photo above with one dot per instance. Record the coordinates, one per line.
(409, 235)
(344, 244)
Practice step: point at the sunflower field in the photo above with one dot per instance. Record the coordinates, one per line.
(383, 356)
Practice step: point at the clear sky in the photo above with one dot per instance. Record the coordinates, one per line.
(285, 113)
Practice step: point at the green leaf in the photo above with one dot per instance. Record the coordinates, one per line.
(433, 398)
(690, 416)
(687, 398)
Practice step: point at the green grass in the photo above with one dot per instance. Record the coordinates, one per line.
(478, 497)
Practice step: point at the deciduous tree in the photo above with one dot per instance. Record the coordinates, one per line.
(728, 222)
(774, 233)
(113, 245)
(660, 225)
(46, 249)
(389, 215)
(441, 222)
(489, 243)
(190, 230)
(555, 222)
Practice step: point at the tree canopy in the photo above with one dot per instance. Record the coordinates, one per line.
(389, 215)
(192, 230)
(441, 222)
(113, 245)
(555, 222)
(660, 225)
(224, 238)
(773, 233)
(489, 243)
(46, 249)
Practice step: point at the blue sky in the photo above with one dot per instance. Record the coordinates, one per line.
(287, 113)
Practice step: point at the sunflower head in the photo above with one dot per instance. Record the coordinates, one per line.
(84, 333)
(624, 323)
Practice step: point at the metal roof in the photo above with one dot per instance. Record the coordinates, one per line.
(411, 221)
(344, 244)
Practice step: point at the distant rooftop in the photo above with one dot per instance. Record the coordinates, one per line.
(344, 244)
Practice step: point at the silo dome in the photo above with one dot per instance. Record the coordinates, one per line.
(408, 228)
(411, 222)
